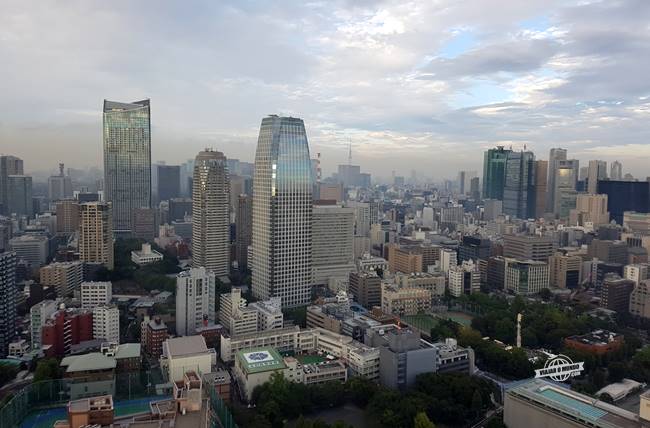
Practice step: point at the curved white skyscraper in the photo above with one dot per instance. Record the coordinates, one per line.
(281, 257)
(127, 160)
(211, 213)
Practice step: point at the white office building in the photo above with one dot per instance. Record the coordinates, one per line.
(195, 300)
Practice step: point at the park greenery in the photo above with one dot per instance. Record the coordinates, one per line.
(150, 277)
(450, 399)
(545, 325)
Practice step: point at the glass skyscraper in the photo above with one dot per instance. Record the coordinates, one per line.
(519, 189)
(494, 172)
(282, 213)
(127, 160)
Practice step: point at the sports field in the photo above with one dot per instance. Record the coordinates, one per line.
(310, 359)
(422, 322)
(46, 418)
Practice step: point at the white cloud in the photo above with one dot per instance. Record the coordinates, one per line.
(367, 71)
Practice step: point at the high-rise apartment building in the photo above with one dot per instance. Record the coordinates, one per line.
(8, 293)
(64, 277)
(38, 315)
(282, 213)
(243, 229)
(96, 233)
(195, 300)
(332, 234)
(597, 171)
(127, 160)
(494, 172)
(95, 294)
(59, 186)
(211, 213)
(67, 217)
(555, 156)
(519, 190)
(9, 165)
(106, 323)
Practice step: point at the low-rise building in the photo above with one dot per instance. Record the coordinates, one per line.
(153, 332)
(434, 282)
(454, 358)
(404, 301)
(90, 374)
(180, 354)
(538, 403)
(597, 342)
(402, 357)
(254, 367)
(290, 338)
(221, 382)
(362, 360)
(145, 256)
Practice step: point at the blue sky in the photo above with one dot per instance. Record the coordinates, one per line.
(414, 84)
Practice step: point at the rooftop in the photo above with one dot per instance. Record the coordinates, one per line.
(88, 362)
(596, 337)
(560, 400)
(260, 360)
(186, 346)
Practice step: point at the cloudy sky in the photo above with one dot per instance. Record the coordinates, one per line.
(425, 85)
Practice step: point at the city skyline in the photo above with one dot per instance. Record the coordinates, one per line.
(457, 82)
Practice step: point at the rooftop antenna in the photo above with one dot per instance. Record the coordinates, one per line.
(519, 317)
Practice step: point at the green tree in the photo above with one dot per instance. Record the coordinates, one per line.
(421, 420)
(47, 369)
(477, 403)
(616, 371)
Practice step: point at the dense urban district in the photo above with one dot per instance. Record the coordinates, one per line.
(224, 293)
